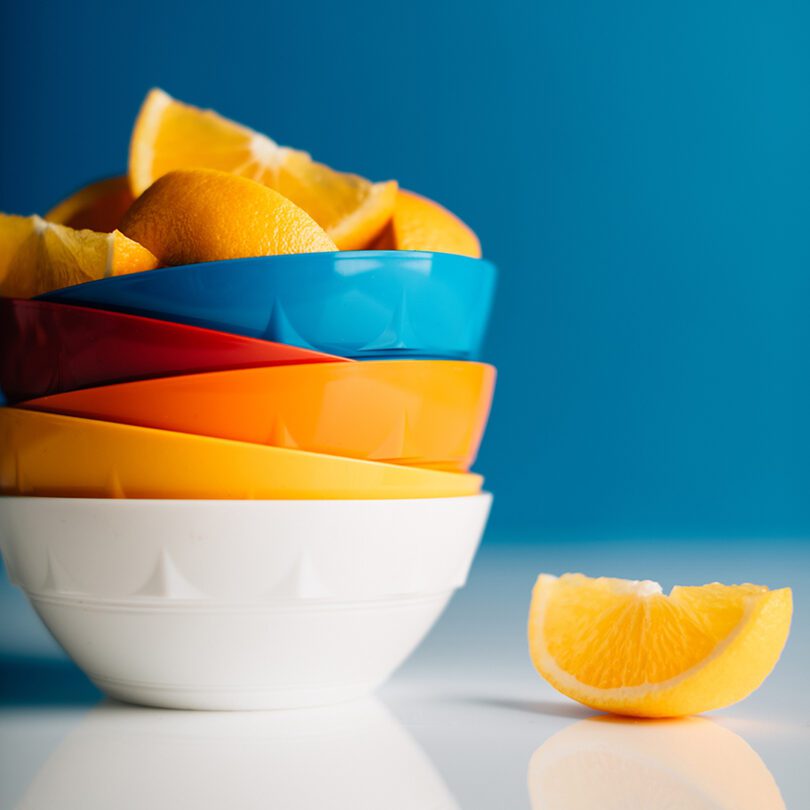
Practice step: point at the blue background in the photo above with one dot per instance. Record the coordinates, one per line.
(639, 171)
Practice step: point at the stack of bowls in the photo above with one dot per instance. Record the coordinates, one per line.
(245, 484)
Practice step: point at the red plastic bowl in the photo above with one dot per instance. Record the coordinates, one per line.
(49, 348)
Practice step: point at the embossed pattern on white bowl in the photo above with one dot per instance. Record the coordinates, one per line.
(239, 604)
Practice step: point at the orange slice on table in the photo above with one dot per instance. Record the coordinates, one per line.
(170, 135)
(99, 206)
(421, 224)
(202, 215)
(625, 647)
(38, 256)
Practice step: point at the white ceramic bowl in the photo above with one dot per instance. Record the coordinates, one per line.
(239, 604)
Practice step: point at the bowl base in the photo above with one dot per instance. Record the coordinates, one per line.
(237, 699)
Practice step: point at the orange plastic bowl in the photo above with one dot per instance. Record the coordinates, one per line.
(426, 413)
(62, 456)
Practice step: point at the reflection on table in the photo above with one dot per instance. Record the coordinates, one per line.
(622, 764)
(351, 756)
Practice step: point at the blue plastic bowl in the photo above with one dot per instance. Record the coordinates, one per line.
(360, 304)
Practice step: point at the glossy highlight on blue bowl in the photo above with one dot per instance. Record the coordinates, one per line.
(358, 304)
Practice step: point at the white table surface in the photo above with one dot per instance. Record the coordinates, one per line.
(466, 723)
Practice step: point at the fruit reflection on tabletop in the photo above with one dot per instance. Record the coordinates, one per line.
(355, 756)
(622, 764)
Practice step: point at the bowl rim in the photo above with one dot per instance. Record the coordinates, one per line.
(351, 368)
(303, 503)
(325, 258)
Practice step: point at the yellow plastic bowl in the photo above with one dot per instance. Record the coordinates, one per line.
(63, 456)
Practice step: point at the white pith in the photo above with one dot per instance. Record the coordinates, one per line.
(40, 225)
(267, 152)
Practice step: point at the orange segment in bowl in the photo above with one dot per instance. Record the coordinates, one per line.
(99, 206)
(170, 135)
(421, 224)
(625, 647)
(38, 256)
(203, 215)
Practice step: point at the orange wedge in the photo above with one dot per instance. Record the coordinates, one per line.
(421, 224)
(97, 207)
(38, 256)
(625, 647)
(170, 135)
(202, 215)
